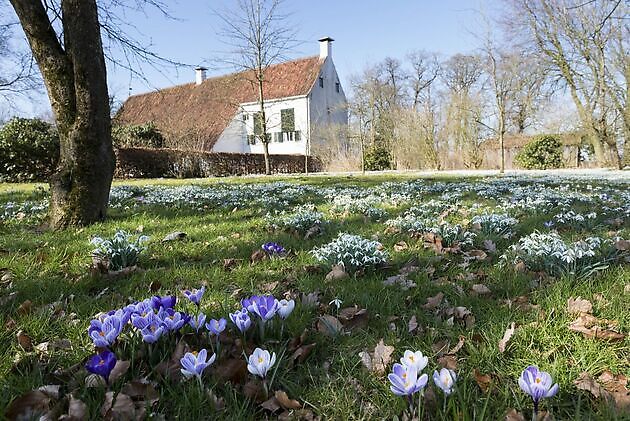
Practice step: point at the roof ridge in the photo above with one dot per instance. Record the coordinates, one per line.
(227, 75)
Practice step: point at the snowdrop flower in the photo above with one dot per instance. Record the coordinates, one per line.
(193, 363)
(285, 308)
(260, 362)
(537, 384)
(405, 381)
(445, 380)
(414, 360)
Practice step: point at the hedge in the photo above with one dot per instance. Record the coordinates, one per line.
(173, 163)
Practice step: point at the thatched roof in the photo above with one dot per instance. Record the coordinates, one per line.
(205, 110)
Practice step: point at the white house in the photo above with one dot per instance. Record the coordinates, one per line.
(221, 114)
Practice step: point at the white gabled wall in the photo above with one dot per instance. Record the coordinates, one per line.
(327, 106)
(234, 137)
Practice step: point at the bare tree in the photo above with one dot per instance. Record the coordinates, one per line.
(575, 38)
(65, 38)
(259, 34)
(425, 70)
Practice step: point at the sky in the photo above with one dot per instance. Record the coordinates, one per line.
(365, 32)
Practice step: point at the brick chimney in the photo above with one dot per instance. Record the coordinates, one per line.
(200, 75)
(325, 47)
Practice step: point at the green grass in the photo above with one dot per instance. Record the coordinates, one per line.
(49, 267)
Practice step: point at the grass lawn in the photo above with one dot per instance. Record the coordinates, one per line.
(226, 221)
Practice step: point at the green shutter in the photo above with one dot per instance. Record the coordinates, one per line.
(287, 120)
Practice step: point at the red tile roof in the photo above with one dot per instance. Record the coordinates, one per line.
(194, 116)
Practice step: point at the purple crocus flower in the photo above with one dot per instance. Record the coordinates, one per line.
(171, 320)
(197, 322)
(405, 381)
(143, 308)
(104, 333)
(167, 301)
(241, 319)
(195, 295)
(273, 249)
(142, 320)
(215, 327)
(102, 364)
(537, 384)
(264, 306)
(151, 327)
(193, 363)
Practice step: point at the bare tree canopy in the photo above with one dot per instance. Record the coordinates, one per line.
(258, 34)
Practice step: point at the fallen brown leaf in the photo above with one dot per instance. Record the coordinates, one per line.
(28, 406)
(25, 308)
(514, 415)
(506, 337)
(272, 405)
(413, 327)
(579, 306)
(481, 289)
(257, 256)
(354, 317)
(233, 370)
(483, 380)
(448, 361)
(622, 245)
(329, 325)
(592, 327)
(434, 302)
(24, 341)
(254, 390)
(400, 246)
(458, 346)
(378, 360)
(120, 408)
(77, 410)
(284, 400)
(337, 273)
(120, 369)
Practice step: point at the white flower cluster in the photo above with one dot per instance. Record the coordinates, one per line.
(120, 251)
(575, 219)
(301, 219)
(548, 252)
(495, 224)
(363, 205)
(24, 210)
(452, 234)
(353, 252)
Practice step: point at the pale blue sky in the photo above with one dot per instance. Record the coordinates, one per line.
(364, 31)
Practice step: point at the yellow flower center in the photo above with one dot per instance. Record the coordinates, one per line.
(101, 362)
(195, 353)
(260, 360)
(538, 379)
(411, 358)
(101, 333)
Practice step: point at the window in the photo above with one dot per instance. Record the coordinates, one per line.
(245, 117)
(251, 139)
(321, 81)
(338, 87)
(297, 136)
(258, 126)
(287, 120)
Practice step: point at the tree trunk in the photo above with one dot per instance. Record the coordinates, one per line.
(265, 137)
(76, 81)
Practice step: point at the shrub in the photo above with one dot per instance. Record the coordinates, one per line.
(378, 158)
(120, 251)
(141, 135)
(29, 150)
(352, 252)
(542, 153)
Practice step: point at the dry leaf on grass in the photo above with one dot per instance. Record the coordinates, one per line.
(622, 245)
(24, 341)
(514, 415)
(233, 370)
(337, 273)
(506, 337)
(28, 406)
(120, 409)
(579, 306)
(77, 410)
(286, 402)
(483, 380)
(25, 308)
(354, 317)
(400, 246)
(257, 256)
(413, 327)
(434, 302)
(120, 369)
(481, 289)
(448, 361)
(592, 327)
(458, 345)
(607, 386)
(378, 360)
(329, 325)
